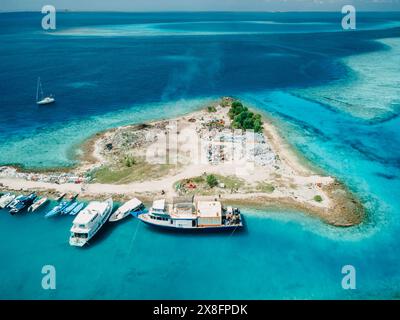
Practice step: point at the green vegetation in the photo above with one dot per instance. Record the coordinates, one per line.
(231, 182)
(199, 179)
(212, 181)
(209, 184)
(244, 119)
(212, 109)
(138, 171)
(318, 198)
(265, 187)
(129, 161)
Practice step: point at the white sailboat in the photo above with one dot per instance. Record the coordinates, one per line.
(43, 100)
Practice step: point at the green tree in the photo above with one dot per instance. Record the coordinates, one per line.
(236, 104)
(248, 123)
(257, 125)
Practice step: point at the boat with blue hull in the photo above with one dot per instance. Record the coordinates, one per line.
(64, 207)
(77, 209)
(183, 214)
(57, 209)
(139, 212)
(21, 202)
(71, 207)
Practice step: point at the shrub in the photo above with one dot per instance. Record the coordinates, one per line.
(129, 161)
(318, 198)
(212, 109)
(212, 181)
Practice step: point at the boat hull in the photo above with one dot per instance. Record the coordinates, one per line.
(167, 227)
(46, 101)
(36, 205)
(122, 213)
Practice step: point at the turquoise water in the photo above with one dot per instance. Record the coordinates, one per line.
(111, 80)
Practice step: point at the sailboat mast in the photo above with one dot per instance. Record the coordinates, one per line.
(37, 90)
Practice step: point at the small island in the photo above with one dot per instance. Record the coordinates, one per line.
(225, 151)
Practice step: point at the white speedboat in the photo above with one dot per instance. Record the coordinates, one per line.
(37, 204)
(89, 221)
(134, 205)
(43, 100)
(6, 199)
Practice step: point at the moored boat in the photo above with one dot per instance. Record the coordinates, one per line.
(130, 207)
(70, 207)
(61, 196)
(89, 221)
(37, 204)
(6, 199)
(57, 209)
(77, 209)
(183, 214)
(21, 202)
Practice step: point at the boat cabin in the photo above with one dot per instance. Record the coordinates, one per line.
(209, 213)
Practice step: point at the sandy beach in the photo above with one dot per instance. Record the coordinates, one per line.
(174, 157)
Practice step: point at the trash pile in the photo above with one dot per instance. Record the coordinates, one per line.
(58, 178)
(233, 145)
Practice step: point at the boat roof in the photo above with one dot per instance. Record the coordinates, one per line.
(183, 200)
(86, 215)
(159, 204)
(208, 209)
(131, 204)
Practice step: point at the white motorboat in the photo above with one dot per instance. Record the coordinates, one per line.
(37, 204)
(6, 199)
(134, 205)
(89, 221)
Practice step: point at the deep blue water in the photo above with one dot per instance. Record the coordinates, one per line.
(108, 69)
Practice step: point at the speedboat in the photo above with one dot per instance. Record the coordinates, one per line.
(71, 207)
(15, 201)
(89, 221)
(37, 204)
(6, 199)
(77, 209)
(57, 209)
(22, 202)
(61, 197)
(130, 207)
